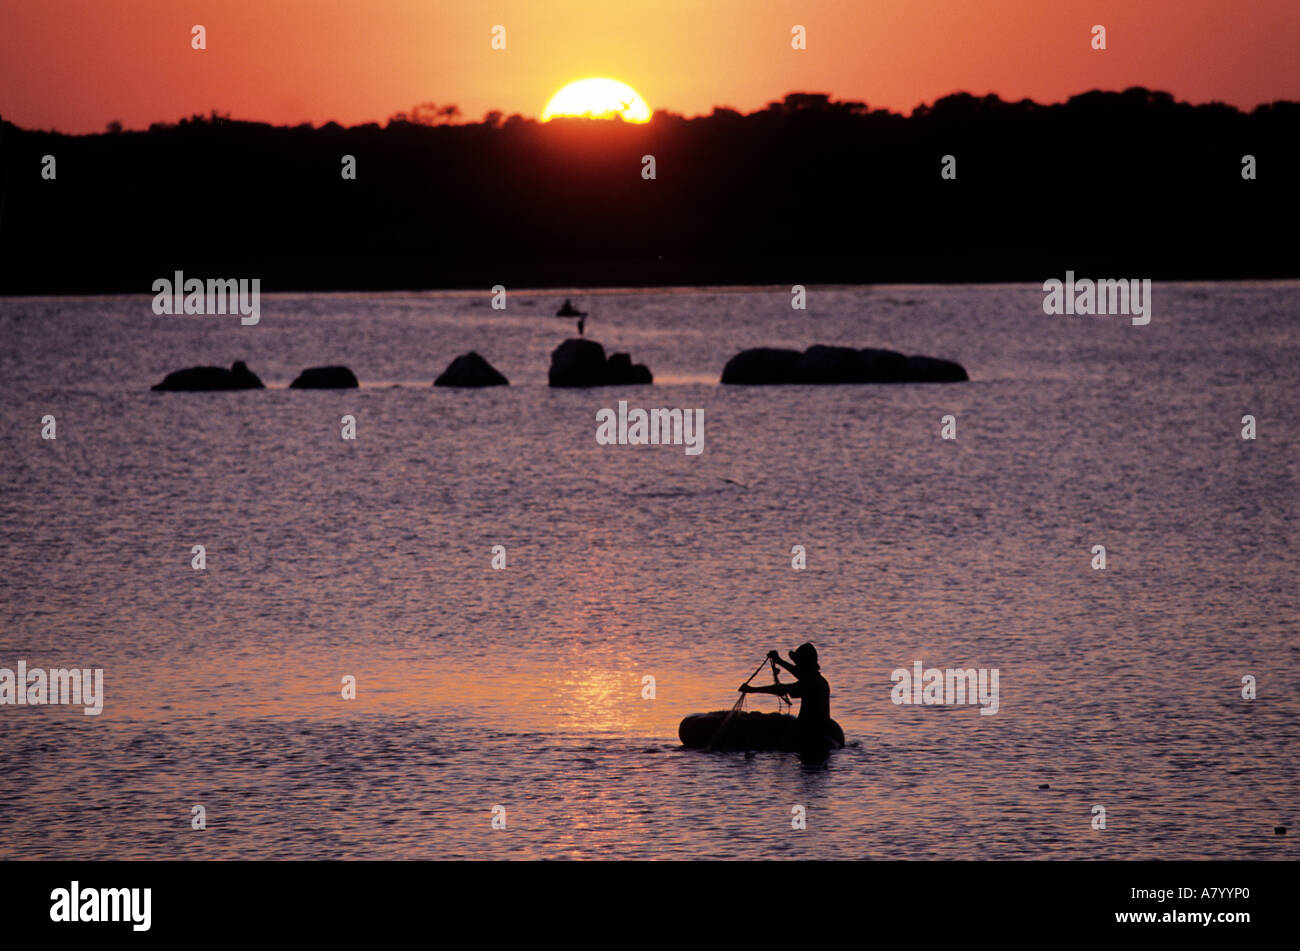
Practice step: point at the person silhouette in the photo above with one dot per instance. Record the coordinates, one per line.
(814, 693)
(581, 323)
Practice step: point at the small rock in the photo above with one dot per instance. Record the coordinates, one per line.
(325, 378)
(471, 370)
(202, 379)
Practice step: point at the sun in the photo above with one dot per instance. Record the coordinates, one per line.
(598, 99)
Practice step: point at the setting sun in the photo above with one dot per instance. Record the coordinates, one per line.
(598, 99)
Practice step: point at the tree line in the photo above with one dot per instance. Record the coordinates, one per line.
(807, 190)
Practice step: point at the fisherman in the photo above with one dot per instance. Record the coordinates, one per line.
(814, 694)
(581, 323)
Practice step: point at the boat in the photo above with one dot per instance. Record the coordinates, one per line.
(568, 310)
(743, 730)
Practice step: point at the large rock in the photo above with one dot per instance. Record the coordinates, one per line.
(822, 364)
(195, 379)
(577, 363)
(819, 364)
(931, 370)
(761, 365)
(882, 366)
(469, 369)
(580, 362)
(325, 378)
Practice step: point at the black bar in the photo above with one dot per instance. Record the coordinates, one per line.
(670, 902)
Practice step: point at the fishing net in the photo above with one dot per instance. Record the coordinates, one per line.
(783, 704)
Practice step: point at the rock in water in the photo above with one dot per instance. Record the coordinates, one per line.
(325, 378)
(930, 370)
(580, 362)
(819, 364)
(469, 369)
(621, 369)
(577, 363)
(198, 379)
(761, 365)
(881, 366)
(822, 364)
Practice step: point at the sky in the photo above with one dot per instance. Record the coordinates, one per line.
(75, 65)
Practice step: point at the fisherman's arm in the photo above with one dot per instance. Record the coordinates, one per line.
(776, 659)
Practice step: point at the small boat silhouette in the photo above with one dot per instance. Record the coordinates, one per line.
(746, 730)
(568, 310)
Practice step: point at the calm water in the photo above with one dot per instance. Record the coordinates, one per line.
(522, 687)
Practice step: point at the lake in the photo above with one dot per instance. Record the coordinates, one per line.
(524, 687)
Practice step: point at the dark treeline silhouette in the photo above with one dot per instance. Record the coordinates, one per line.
(808, 190)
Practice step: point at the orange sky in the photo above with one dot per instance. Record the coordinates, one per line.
(76, 64)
